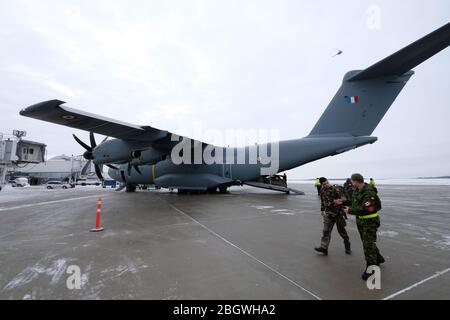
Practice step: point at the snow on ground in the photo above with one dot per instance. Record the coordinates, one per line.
(10, 193)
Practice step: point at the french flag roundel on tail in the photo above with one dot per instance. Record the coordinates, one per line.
(352, 99)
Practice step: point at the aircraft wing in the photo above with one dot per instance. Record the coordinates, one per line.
(54, 111)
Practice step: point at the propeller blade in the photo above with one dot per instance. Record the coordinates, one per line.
(85, 168)
(129, 168)
(137, 169)
(84, 145)
(98, 171)
(112, 167)
(92, 139)
(104, 140)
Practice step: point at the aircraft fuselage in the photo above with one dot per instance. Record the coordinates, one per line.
(232, 170)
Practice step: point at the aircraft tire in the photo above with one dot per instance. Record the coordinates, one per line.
(130, 189)
(211, 190)
(223, 189)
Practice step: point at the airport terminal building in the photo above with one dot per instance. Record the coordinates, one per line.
(60, 168)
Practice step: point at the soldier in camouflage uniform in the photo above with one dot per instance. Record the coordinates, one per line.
(332, 214)
(365, 204)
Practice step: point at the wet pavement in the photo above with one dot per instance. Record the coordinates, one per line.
(246, 244)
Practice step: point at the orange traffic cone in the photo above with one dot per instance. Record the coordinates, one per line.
(97, 217)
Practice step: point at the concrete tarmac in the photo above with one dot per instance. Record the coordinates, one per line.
(246, 244)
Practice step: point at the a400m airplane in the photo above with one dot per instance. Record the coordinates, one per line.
(144, 154)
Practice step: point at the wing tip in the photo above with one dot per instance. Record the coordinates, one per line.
(41, 106)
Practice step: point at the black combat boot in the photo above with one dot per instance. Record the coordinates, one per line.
(348, 249)
(322, 250)
(380, 259)
(366, 275)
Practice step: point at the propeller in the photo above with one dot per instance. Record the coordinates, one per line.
(84, 145)
(92, 139)
(89, 156)
(86, 168)
(135, 166)
(134, 154)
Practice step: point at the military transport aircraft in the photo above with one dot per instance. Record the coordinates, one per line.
(146, 155)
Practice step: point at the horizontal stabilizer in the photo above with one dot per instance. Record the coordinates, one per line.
(409, 57)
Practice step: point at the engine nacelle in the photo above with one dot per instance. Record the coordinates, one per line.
(149, 156)
(114, 151)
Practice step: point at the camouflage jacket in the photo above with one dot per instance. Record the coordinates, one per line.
(364, 201)
(327, 197)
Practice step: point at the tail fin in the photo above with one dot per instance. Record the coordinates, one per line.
(365, 96)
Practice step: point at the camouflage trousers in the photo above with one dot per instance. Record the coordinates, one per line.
(368, 232)
(329, 221)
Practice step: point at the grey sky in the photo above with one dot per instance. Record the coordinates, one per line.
(225, 65)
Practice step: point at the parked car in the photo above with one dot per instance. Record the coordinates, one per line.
(57, 185)
(19, 182)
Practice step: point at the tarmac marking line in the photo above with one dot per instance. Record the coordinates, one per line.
(246, 253)
(46, 202)
(437, 274)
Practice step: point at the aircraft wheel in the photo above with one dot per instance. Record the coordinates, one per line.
(223, 189)
(211, 190)
(130, 189)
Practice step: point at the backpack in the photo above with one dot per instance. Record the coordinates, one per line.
(377, 200)
(339, 191)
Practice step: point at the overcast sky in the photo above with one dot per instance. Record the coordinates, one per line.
(178, 65)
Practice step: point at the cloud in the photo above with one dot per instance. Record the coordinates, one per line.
(226, 65)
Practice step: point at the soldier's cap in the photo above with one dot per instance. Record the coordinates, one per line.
(322, 180)
(357, 177)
